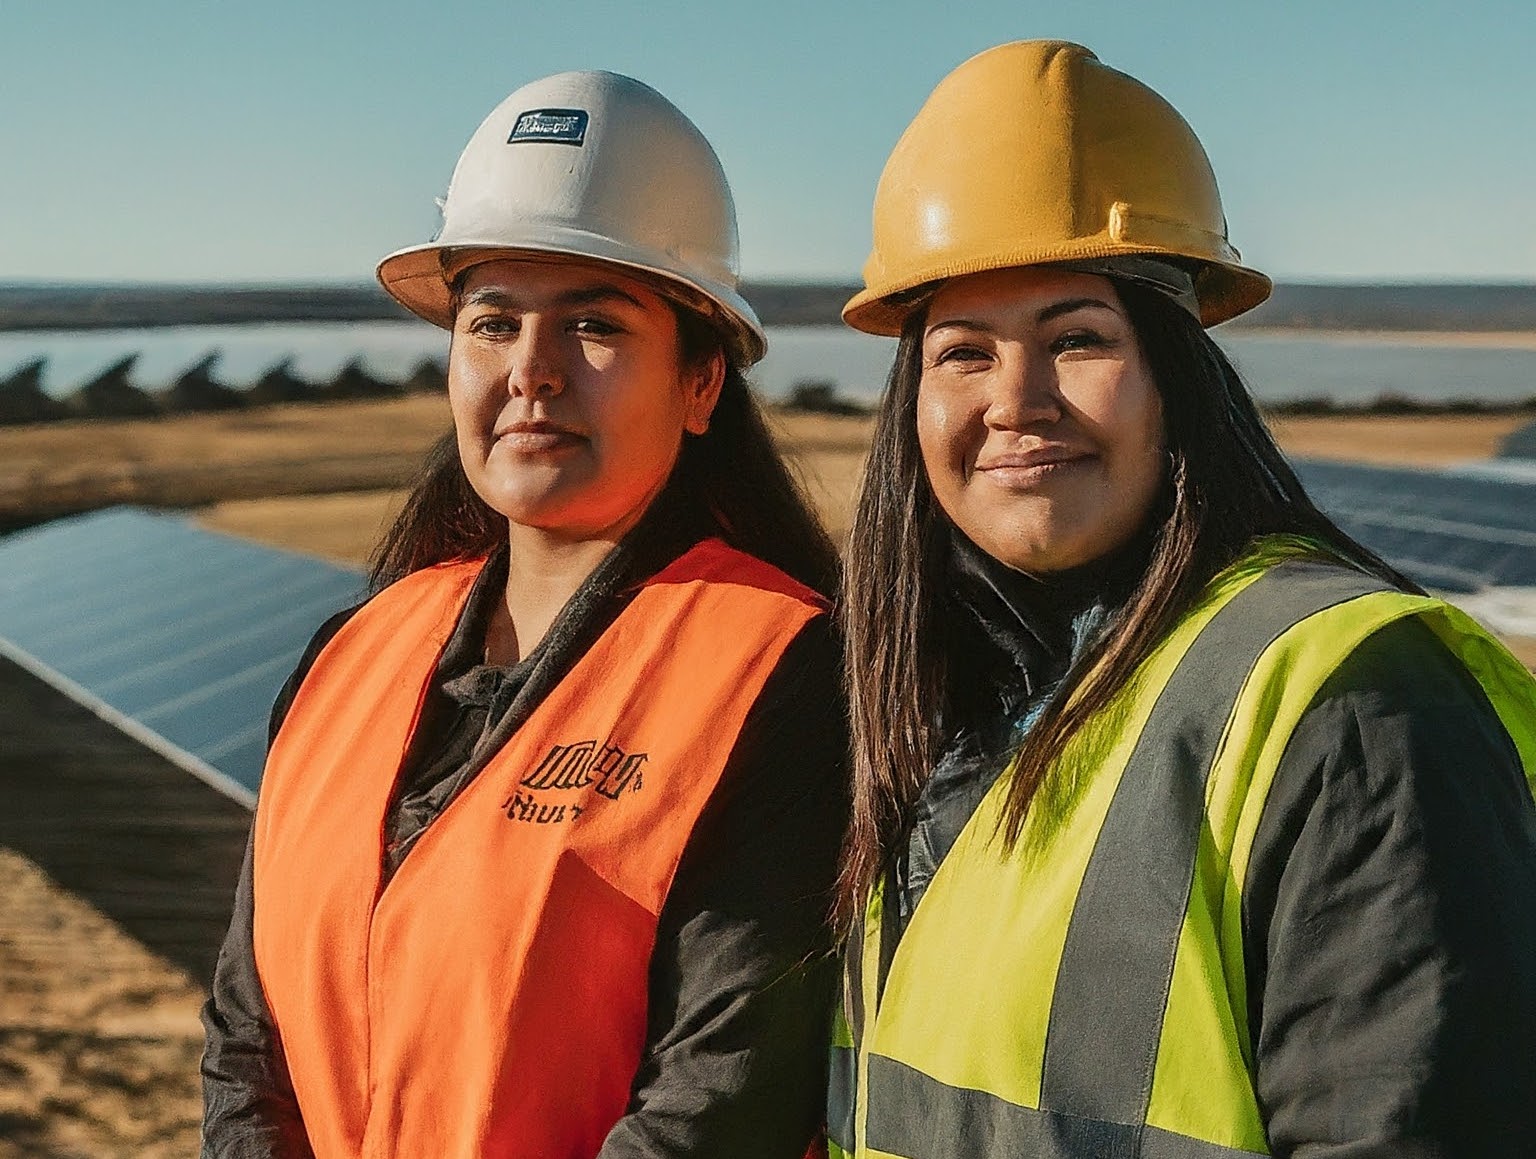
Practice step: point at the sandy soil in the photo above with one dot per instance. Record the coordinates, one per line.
(342, 528)
(198, 460)
(826, 451)
(189, 460)
(292, 433)
(99, 1039)
(1460, 339)
(1402, 440)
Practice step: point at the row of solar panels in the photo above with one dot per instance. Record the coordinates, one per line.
(180, 635)
(183, 636)
(1458, 532)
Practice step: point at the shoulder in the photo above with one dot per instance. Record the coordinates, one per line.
(715, 562)
(1400, 667)
(1389, 912)
(786, 783)
(405, 592)
(1400, 718)
(317, 644)
(793, 744)
(454, 577)
(1401, 758)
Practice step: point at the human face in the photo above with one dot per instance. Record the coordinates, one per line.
(1037, 416)
(569, 398)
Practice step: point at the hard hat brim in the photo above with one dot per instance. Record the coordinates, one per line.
(1224, 290)
(415, 278)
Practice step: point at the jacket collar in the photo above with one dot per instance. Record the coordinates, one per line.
(1039, 625)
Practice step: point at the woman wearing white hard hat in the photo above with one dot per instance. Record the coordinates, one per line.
(1183, 825)
(545, 839)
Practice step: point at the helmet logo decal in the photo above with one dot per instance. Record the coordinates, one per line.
(552, 126)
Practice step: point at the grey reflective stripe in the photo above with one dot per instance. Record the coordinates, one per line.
(918, 1117)
(853, 963)
(1116, 967)
(841, 1089)
(890, 929)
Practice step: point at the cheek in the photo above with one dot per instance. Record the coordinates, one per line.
(636, 402)
(1141, 420)
(473, 392)
(1117, 405)
(1137, 446)
(942, 437)
(638, 423)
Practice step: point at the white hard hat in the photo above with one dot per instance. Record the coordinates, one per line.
(594, 165)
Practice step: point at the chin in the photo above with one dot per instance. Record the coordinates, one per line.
(519, 506)
(1041, 556)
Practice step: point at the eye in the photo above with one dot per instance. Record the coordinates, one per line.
(1082, 338)
(595, 326)
(493, 325)
(961, 354)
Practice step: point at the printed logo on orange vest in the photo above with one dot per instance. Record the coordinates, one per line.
(575, 766)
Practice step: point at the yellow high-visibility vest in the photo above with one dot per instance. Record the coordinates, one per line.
(1085, 994)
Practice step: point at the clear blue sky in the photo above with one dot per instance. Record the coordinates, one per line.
(278, 140)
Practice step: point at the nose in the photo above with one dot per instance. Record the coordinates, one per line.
(1023, 391)
(537, 366)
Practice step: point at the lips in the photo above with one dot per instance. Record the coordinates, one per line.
(1031, 459)
(532, 436)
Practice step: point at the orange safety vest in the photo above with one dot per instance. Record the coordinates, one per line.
(491, 998)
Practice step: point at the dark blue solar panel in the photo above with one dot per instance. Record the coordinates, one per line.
(1445, 529)
(189, 634)
(186, 633)
(1521, 444)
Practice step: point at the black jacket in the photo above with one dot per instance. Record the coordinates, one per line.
(741, 980)
(1389, 911)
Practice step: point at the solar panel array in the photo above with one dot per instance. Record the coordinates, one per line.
(183, 636)
(180, 635)
(1520, 444)
(1456, 531)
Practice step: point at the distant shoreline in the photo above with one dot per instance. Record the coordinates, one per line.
(1470, 339)
(1495, 311)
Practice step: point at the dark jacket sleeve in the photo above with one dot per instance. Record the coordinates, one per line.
(743, 980)
(1390, 920)
(249, 1110)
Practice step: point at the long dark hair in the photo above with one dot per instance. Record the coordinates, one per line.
(733, 470)
(1227, 484)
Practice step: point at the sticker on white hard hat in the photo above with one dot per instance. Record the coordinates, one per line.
(552, 126)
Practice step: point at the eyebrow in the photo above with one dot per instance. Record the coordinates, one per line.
(1071, 304)
(1054, 310)
(582, 296)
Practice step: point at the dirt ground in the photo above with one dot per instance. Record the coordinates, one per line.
(190, 460)
(98, 1037)
(280, 452)
(828, 452)
(1396, 440)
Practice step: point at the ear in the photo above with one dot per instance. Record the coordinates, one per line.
(702, 384)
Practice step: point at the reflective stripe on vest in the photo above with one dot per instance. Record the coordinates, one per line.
(491, 999)
(1086, 995)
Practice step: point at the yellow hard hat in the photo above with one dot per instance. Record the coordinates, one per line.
(1033, 153)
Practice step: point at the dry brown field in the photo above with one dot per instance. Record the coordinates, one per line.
(266, 471)
(1397, 440)
(98, 1037)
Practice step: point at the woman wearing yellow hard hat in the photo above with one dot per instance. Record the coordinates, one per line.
(547, 831)
(1184, 826)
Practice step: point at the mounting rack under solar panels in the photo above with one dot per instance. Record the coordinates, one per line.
(179, 635)
(1457, 530)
